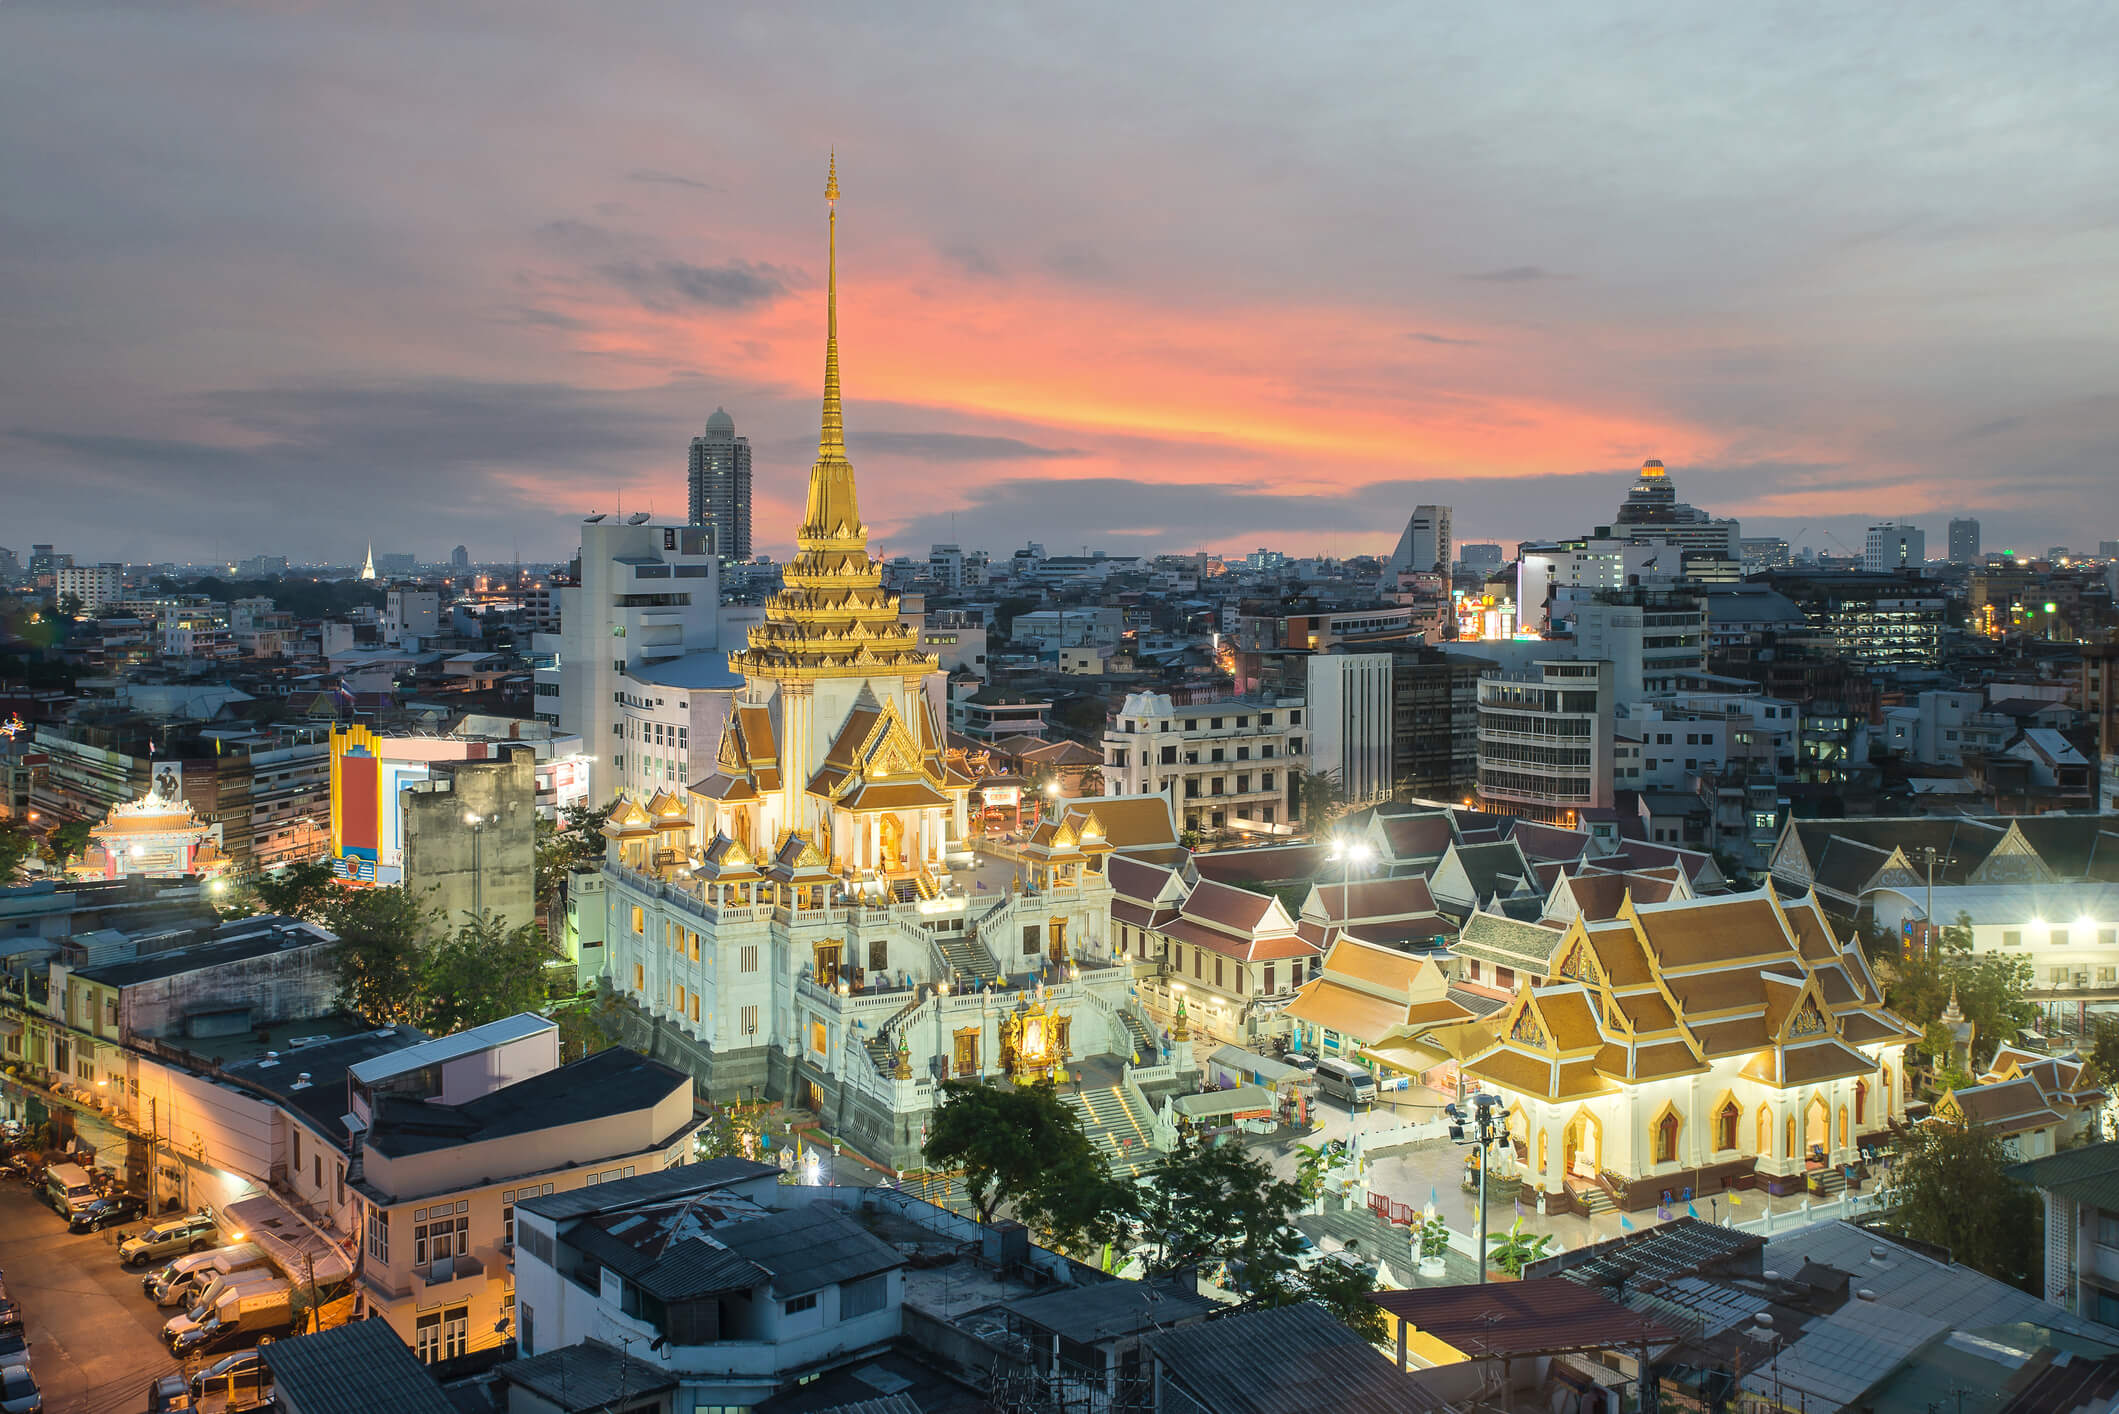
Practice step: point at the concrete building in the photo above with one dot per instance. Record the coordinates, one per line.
(1964, 541)
(1424, 545)
(1434, 723)
(92, 585)
(1545, 740)
(1939, 728)
(646, 595)
(1224, 766)
(1653, 641)
(665, 711)
(1894, 546)
(454, 1133)
(956, 639)
(470, 837)
(1481, 556)
(1350, 704)
(411, 613)
(717, 479)
(2080, 1190)
(1652, 514)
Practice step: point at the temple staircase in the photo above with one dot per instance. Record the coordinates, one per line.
(1117, 1126)
(883, 1045)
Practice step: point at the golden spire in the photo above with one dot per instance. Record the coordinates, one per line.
(832, 616)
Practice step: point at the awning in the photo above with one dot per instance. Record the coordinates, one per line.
(1243, 1102)
(1412, 1057)
(300, 1252)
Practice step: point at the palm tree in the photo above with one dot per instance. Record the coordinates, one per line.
(1319, 797)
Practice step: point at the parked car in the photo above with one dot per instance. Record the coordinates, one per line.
(194, 1232)
(18, 1392)
(107, 1212)
(10, 1313)
(242, 1377)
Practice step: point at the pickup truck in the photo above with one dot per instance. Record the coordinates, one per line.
(239, 1315)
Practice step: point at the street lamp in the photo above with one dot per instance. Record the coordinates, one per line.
(1484, 1127)
(1349, 853)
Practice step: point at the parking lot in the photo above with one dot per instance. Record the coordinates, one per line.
(94, 1337)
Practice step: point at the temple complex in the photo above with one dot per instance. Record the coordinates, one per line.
(809, 922)
(1695, 1045)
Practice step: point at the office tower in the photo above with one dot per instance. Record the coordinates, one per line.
(460, 558)
(1425, 544)
(1481, 557)
(1652, 514)
(719, 478)
(2055, 554)
(646, 596)
(1894, 545)
(1964, 541)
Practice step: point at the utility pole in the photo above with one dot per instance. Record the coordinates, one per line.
(1486, 1126)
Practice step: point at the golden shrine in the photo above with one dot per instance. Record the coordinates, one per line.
(836, 737)
(1034, 1042)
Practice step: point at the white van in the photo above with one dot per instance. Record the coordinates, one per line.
(68, 1188)
(1343, 1080)
(182, 1280)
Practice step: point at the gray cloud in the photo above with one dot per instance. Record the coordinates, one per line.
(1992, 428)
(959, 447)
(971, 259)
(1513, 275)
(1079, 262)
(666, 284)
(1442, 339)
(668, 179)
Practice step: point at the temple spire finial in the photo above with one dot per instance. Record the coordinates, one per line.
(833, 435)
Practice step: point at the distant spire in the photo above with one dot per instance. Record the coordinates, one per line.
(833, 438)
(368, 568)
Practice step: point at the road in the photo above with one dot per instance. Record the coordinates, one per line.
(94, 1337)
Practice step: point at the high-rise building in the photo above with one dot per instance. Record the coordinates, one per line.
(460, 558)
(1894, 545)
(1425, 544)
(1652, 514)
(92, 585)
(1480, 556)
(719, 478)
(1964, 541)
(646, 596)
(1653, 639)
(1545, 740)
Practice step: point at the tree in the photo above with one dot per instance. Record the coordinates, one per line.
(380, 954)
(574, 842)
(298, 891)
(1990, 989)
(16, 846)
(1022, 1145)
(1517, 1249)
(2103, 1050)
(1004, 614)
(483, 972)
(70, 839)
(1319, 797)
(1949, 1186)
(1218, 1205)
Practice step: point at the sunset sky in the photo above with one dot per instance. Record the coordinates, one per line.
(289, 277)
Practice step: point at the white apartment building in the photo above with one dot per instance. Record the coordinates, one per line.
(1893, 546)
(411, 613)
(1938, 727)
(93, 585)
(648, 595)
(1653, 641)
(1222, 765)
(1350, 707)
(1545, 740)
(1097, 626)
(666, 711)
(956, 639)
(2069, 933)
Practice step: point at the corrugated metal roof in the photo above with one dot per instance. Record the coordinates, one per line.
(353, 1369)
(1840, 1358)
(669, 1183)
(809, 1248)
(586, 1377)
(1540, 1316)
(1286, 1360)
(447, 1048)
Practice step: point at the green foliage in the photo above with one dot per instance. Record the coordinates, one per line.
(1949, 1187)
(1004, 614)
(303, 598)
(382, 943)
(1517, 1249)
(298, 891)
(581, 1025)
(1319, 798)
(2103, 1050)
(573, 842)
(482, 972)
(16, 846)
(68, 840)
(1434, 1238)
(1023, 1145)
(1218, 1205)
(1190, 838)
(1990, 991)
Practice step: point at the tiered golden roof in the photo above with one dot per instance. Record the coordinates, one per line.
(832, 618)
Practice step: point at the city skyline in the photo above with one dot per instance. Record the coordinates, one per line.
(1500, 293)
